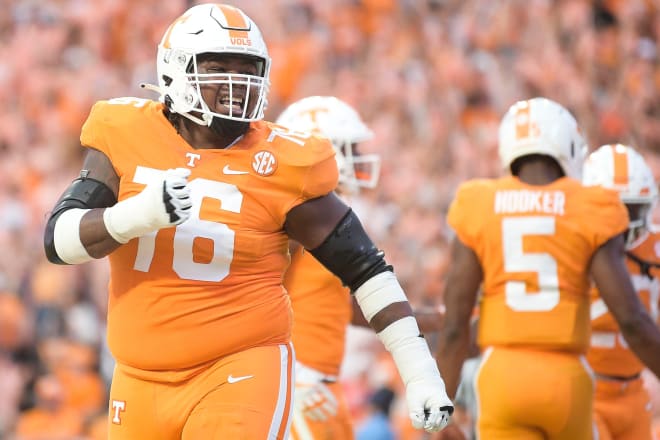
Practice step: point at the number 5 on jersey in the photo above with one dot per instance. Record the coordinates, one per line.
(514, 229)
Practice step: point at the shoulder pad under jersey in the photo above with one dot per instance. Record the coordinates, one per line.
(106, 117)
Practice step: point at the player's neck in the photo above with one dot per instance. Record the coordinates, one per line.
(202, 137)
(538, 173)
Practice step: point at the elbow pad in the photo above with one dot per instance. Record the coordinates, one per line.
(349, 253)
(83, 194)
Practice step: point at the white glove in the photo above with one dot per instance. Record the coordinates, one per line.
(429, 407)
(162, 203)
(312, 397)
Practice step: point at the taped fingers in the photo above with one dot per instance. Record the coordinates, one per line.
(434, 419)
(176, 195)
(417, 419)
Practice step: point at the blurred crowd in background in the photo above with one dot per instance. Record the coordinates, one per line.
(431, 78)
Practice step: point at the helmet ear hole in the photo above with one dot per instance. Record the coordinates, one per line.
(183, 96)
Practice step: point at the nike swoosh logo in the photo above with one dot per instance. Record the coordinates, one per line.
(227, 170)
(232, 379)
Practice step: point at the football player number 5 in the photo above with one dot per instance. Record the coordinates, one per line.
(516, 260)
(223, 237)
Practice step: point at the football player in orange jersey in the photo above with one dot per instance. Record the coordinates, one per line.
(322, 306)
(531, 238)
(194, 198)
(622, 405)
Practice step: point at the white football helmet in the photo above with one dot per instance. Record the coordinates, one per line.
(333, 118)
(623, 169)
(541, 126)
(215, 29)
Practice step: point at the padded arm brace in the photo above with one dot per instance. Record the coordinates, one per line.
(349, 253)
(83, 193)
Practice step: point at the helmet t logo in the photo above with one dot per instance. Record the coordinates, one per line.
(314, 111)
(525, 128)
(236, 24)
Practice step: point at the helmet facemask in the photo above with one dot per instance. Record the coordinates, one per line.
(356, 170)
(240, 97)
(638, 226)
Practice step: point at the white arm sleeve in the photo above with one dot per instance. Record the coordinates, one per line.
(66, 237)
(428, 404)
(378, 292)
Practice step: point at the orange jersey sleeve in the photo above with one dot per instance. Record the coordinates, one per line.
(211, 286)
(321, 311)
(609, 354)
(535, 245)
(461, 215)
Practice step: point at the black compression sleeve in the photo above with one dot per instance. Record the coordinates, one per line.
(349, 253)
(84, 193)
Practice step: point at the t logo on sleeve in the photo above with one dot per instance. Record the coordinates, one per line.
(118, 406)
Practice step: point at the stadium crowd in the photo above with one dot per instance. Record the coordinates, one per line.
(431, 78)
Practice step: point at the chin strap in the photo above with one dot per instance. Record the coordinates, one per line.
(644, 266)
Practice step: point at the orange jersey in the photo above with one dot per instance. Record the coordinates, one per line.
(321, 311)
(535, 245)
(187, 295)
(609, 353)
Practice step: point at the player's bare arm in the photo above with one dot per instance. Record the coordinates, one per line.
(95, 189)
(460, 296)
(315, 220)
(613, 281)
(312, 222)
(93, 234)
(429, 319)
(335, 237)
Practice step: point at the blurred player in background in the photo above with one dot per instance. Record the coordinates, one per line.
(622, 404)
(322, 306)
(533, 239)
(194, 199)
